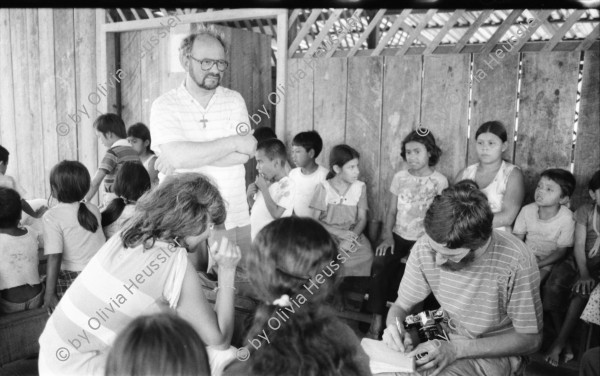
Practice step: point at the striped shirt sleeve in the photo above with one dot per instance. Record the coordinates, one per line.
(109, 162)
(524, 305)
(414, 287)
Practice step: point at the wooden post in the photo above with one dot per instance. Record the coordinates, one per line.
(282, 60)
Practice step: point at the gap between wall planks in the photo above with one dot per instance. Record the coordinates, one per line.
(494, 98)
(587, 152)
(546, 114)
(546, 120)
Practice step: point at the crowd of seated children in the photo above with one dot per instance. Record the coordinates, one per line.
(306, 147)
(340, 205)
(10, 182)
(502, 182)
(111, 132)
(571, 281)
(411, 192)
(547, 225)
(138, 136)
(72, 231)
(131, 182)
(20, 286)
(271, 196)
(293, 266)
(160, 344)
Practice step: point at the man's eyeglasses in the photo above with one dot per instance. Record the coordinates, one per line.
(206, 64)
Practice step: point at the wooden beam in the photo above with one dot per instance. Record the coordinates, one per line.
(542, 15)
(355, 15)
(211, 17)
(324, 32)
(293, 16)
(372, 25)
(440, 35)
(471, 30)
(149, 13)
(281, 69)
(501, 31)
(272, 27)
(560, 33)
(590, 39)
(305, 29)
(135, 14)
(248, 25)
(391, 32)
(417, 30)
(120, 12)
(536, 46)
(109, 17)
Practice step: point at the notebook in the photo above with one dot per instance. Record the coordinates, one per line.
(383, 359)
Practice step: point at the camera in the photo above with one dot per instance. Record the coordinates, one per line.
(427, 325)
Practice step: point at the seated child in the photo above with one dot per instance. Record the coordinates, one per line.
(138, 136)
(20, 287)
(272, 195)
(546, 225)
(306, 147)
(72, 232)
(266, 133)
(340, 205)
(293, 266)
(160, 344)
(571, 282)
(10, 182)
(411, 192)
(131, 182)
(110, 129)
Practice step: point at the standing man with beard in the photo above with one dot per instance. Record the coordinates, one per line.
(486, 281)
(193, 129)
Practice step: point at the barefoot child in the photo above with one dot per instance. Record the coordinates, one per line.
(306, 147)
(582, 274)
(340, 204)
(547, 225)
(138, 136)
(20, 287)
(412, 191)
(272, 195)
(110, 129)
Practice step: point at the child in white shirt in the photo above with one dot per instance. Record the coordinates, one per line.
(272, 195)
(306, 147)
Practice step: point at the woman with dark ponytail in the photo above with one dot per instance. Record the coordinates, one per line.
(294, 266)
(72, 232)
(131, 182)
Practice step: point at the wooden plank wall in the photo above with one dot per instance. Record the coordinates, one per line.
(373, 103)
(47, 72)
(145, 59)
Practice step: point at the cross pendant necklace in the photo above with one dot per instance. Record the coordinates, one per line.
(203, 121)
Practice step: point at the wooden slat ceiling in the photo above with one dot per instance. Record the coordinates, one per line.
(413, 31)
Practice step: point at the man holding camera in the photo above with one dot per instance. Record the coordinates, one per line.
(486, 281)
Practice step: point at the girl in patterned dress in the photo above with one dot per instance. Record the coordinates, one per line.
(340, 204)
(411, 192)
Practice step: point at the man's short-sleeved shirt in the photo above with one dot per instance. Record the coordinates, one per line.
(543, 236)
(497, 292)
(119, 153)
(282, 192)
(176, 116)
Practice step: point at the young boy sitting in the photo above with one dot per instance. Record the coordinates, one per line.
(306, 147)
(269, 201)
(10, 182)
(111, 131)
(546, 225)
